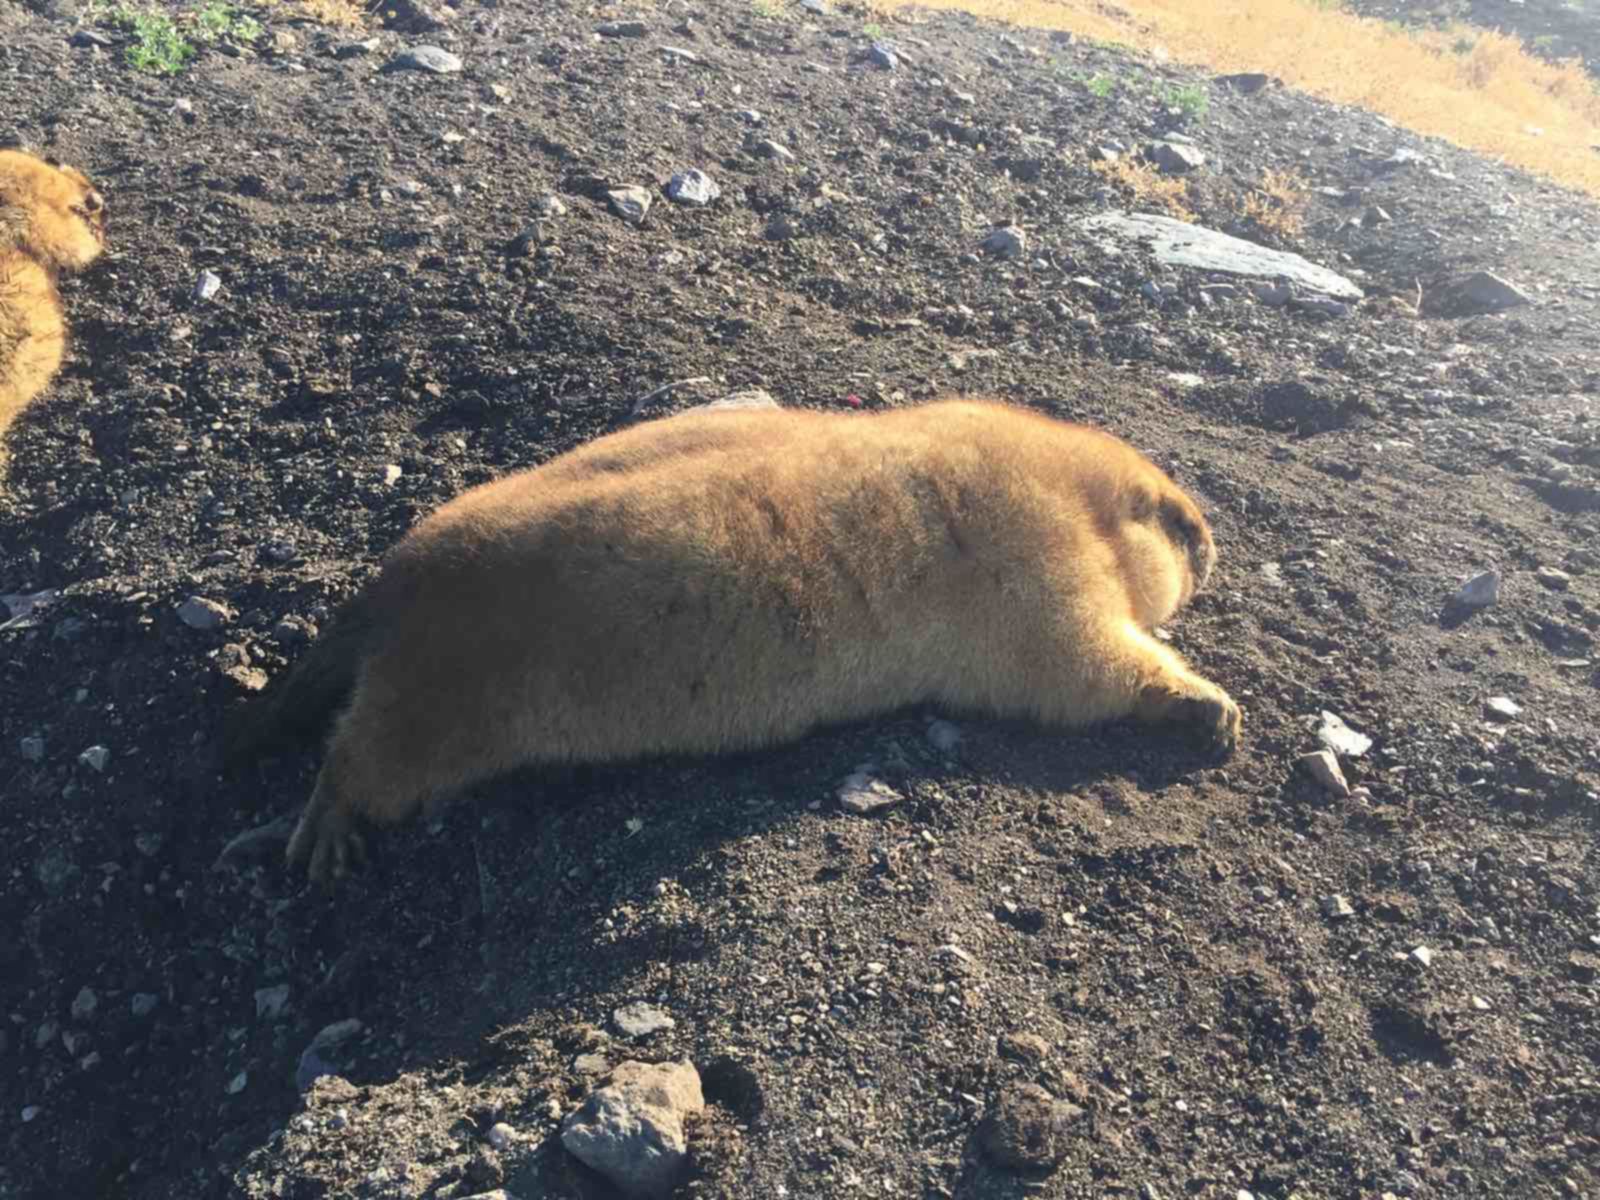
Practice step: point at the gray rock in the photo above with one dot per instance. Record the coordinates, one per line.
(862, 793)
(1554, 579)
(1323, 766)
(750, 398)
(767, 148)
(550, 206)
(1009, 241)
(1336, 908)
(692, 187)
(1028, 1128)
(1479, 292)
(205, 615)
(1247, 82)
(96, 758)
(749, 116)
(1179, 244)
(1501, 708)
(1422, 955)
(1340, 738)
(631, 1130)
(31, 748)
(84, 1004)
(882, 55)
(206, 286)
(356, 49)
(144, 1003)
(90, 37)
(679, 54)
(1478, 592)
(630, 203)
(622, 29)
(640, 1020)
(1172, 157)
(430, 59)
(944, 736)
(314, 1063)
(271, 1001)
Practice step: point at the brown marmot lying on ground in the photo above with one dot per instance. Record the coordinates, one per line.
(728, 580)
(51, 219)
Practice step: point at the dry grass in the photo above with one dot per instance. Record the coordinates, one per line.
(1278, 203)
(1483, 91)
(342, 14)
(1146, 187)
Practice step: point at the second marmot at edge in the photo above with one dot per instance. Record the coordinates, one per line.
(729, 580)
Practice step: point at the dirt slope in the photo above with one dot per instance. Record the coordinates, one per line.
(398, 318)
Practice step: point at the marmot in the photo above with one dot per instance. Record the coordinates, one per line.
(729, 580)
(51, 219)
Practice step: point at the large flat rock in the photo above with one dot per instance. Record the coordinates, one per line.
(1179, 244)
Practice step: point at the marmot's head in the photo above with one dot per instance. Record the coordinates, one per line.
(57, 215)
(1170, 549)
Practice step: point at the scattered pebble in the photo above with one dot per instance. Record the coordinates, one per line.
(640, 1020)
(1008, 241)
(84, 1004)
(944, 736)
(882, 55)
(1422, 955)
(1028, 1128)
(622, 29)
(863, 793)
(1335, 907)
(431, 59)
(767, 148)
(1479, 1004)
(1340, 738)
(631, 1130)
(1554, 579)
(500, 1135)
(31, 748)
(206, 286)
(693, 187)
(1480, 591)
(1501, 708)
(205, 615)
(96, 758)
(1323, 766)
(271, 1001)
(630, 203)
(551, 206)
(144, 1003)
(1173, 158)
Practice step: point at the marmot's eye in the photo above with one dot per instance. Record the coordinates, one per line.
(93, 203)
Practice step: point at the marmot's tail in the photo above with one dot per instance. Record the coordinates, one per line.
(301, 705)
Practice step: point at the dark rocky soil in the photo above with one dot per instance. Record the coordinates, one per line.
(398, 319)
(1553, 29)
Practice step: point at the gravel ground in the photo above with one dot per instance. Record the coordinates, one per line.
(1232, 978)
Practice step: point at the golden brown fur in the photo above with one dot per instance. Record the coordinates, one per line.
(729, 580)
(51, 219)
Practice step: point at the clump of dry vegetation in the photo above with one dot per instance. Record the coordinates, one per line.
(1146, 186)
(1278, 203)
(1482, 90)
(343, 14)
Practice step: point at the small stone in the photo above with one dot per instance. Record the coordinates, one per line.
(551, 206)
(1340, 738)
(84, 1004)
(882, 55)
(749, 116)
(1173, 158)
(238, 1082)
(89, 37)
(863, 794)
(1501, 708)
(1273, 295)
(1479, 1004)
(1480, 591)
(767, 148)
(693, 187)
(1027, 1128)
(1375, 215)
(144, 1003)
(630, 203)
(1479, 292)
(206, 286)
(1554, 579)
(392, 474)
(431, 59)
(679, 54)
(1323, 766)
(749, 398)
(96, 758)
(640, 1020)
(271, 1001)
(1335, 907)
(500, 1135)
(31, 748)
(1422, 955)
(943, 736)
(591, 1064)
(205, 615)
(631, 1131)
(350, 50)
(1241, 1194)
(1585, 967)
(1024, 1047)
(313, 1064)
(622, 29)
(1008, 241)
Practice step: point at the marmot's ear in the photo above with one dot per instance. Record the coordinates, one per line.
(51, 161)
(1141, 504)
